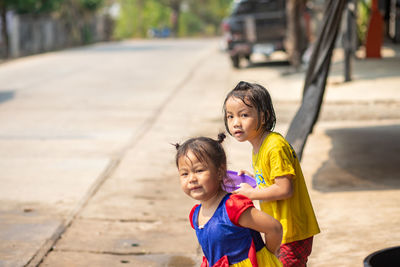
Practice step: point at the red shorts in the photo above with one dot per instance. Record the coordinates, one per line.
(295, 254)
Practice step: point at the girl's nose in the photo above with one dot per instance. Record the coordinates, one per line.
(236, 122)
(192, 178)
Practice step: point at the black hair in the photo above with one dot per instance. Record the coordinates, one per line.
(256, 96)
(207, 150)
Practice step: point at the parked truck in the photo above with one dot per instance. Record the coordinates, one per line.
(255, 26)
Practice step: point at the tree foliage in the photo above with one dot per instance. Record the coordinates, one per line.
(210, 12)
(183, 17)
(91, 4)
(47, 6)
(32, 6)
(77, 15)
(363, 19)
(138, 16)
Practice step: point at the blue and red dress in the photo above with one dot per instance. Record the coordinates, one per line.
(225, 243)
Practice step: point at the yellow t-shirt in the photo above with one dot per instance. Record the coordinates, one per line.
(277, 158)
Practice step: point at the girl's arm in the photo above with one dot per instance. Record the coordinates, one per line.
(281, 189)
(264, 223)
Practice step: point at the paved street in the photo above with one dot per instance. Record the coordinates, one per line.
(68, 118)
(85, 148)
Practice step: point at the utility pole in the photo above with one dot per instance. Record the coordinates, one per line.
(349, 38)
(296, 42)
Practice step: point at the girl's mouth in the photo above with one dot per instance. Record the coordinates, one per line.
(238, 132)
(195, 188)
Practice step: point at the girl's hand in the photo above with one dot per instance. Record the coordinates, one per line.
(241, 172)
(244, 189)
(264, 223)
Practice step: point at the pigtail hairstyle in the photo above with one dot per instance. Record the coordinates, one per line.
(176, 145)
(207, 150)
(221, 137)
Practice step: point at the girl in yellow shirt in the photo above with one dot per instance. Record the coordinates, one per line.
(281, 189)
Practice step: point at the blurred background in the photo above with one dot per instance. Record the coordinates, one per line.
(35, 26)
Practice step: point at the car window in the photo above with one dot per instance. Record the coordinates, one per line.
(269, 5)
(243, 7)
(257, 6)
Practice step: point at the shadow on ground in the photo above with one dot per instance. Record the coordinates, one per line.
(361, 159)
(272, 63)
(369, 69)
(6, 96)
(372, 68)
(283, 66)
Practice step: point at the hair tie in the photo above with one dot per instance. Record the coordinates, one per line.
(221, 137)
(176, 145)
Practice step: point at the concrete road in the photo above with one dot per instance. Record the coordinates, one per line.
(68, 119)
(87, 154)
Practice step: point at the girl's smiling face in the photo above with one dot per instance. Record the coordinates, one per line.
(242, 120)
(198, 180)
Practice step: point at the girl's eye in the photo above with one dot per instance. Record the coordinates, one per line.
(229, 116)
(244, 115)
(184, 174)
(199, 170)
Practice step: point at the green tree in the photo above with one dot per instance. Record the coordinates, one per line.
(91, 5)
(138, 16)
(364, 11)
(210, 13)
(77, 16)
(33, 6)
(175, 6)
(183, 17)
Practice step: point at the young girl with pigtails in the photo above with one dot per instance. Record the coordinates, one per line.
(227, 225)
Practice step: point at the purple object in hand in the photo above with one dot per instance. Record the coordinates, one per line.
(233, 180)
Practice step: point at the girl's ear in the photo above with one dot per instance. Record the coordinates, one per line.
(221, 177)
(263, 119)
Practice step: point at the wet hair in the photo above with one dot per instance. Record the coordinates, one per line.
(255, 96)
(206, 150)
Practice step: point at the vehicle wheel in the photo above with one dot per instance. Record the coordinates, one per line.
(235, 61)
